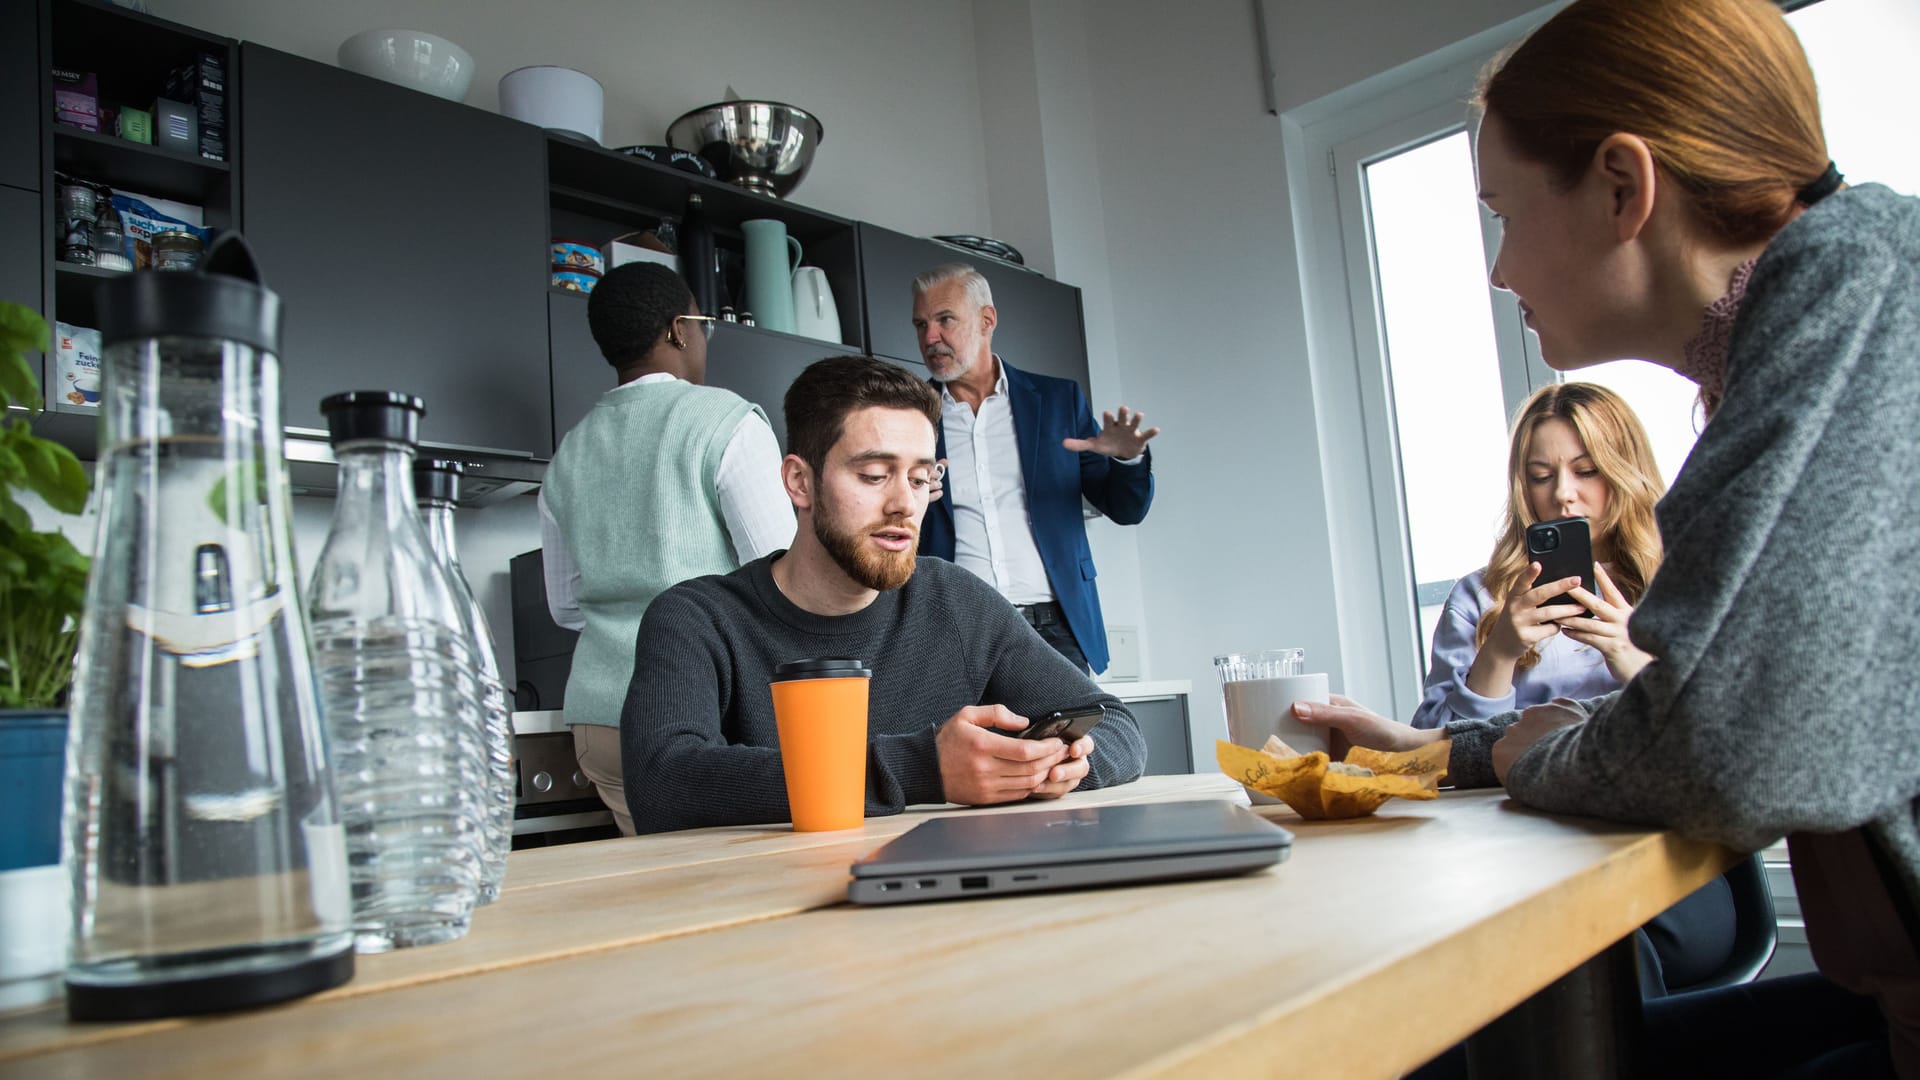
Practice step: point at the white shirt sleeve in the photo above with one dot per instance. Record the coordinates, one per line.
(753, 502)
(563, 577)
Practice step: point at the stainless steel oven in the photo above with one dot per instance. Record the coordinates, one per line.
(554, 802)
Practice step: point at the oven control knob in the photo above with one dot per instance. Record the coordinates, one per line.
(542, 782)
(579, 781)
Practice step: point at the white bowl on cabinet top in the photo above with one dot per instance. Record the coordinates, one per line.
(411, 58)
(556, 98)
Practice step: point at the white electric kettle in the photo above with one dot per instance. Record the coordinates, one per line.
(814, 313)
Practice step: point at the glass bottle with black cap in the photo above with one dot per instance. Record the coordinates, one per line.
(403, 706)
(204, 842)
(436, 484)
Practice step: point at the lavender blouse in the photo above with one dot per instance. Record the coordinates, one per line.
(1566, 668)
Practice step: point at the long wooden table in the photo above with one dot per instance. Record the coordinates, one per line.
(728, 952)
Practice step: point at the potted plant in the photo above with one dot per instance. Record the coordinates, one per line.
(43, 585)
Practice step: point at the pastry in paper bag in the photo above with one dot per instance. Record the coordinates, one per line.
(1317, 788)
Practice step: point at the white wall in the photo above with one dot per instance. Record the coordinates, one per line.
(1319, 47)
(894, 84)
(1207, 310)
(1206, 313)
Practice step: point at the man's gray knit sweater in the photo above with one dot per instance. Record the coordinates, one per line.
(697, 737)
(1784, 695)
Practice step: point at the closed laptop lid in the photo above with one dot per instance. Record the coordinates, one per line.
(1068, 836)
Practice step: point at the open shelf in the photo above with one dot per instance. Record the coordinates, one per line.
(616, 187)
(74, 289)
(106, 159)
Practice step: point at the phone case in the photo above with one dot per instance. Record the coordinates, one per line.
(1563, 548)
(1064, 726)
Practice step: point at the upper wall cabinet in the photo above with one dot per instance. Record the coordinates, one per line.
(406, 236)
(755, 363)
(1040, 324)
(20, 78)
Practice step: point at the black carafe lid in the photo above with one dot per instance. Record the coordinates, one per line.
(223, 299)
(437, 480)
(373, 414)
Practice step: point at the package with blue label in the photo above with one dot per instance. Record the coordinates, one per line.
(140, 221)
(77, 370)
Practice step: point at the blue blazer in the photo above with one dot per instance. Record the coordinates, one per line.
(1045, 411)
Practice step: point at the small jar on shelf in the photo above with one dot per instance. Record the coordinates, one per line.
(175, 250)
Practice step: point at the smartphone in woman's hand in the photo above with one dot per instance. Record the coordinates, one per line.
(1564, 549)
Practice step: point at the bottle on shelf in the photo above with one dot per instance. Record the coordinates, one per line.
(437, 488)
(698, 259)
(202, 831)
(109, 237)
(404, 710)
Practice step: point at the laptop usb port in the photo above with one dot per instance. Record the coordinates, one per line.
(973, 882)
(1026, 877)
(890, 886)
(927, 883)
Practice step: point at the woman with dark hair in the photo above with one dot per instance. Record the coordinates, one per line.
(664, 480)
(1663, 182)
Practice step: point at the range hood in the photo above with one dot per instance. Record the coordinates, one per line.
(492, 476)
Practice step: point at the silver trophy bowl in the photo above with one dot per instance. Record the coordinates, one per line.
(762, 146)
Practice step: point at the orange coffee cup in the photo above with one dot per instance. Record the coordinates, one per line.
(820, 707)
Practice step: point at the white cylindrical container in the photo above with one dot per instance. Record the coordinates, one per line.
(554, 97)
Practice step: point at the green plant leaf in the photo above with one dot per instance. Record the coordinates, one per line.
(18, 383)
(22, 329)
(42, 575)
(54, 474)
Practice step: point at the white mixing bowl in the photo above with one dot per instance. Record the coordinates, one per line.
(410, 58)
(554, 97)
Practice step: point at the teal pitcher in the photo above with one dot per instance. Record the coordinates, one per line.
(770, 273)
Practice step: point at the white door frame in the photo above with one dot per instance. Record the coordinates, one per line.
(1372, 554)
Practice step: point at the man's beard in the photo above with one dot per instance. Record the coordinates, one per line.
(882, 570)
(959, 365)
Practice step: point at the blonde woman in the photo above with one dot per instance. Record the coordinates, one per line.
(1577, 451)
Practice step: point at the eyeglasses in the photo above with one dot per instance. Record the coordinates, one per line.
(706, 322)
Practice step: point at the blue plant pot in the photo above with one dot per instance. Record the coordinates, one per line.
(33, 766)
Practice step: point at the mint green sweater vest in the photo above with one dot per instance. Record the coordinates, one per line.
(633, 491)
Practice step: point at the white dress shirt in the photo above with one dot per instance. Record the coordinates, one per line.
(753, 504)
(992, 531)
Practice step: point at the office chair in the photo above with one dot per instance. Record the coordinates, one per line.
(1755, 936)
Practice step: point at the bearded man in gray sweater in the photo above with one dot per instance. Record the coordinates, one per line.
(957, 673)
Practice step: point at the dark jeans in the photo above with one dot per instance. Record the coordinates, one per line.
(1050, 623)
(1801, 1027)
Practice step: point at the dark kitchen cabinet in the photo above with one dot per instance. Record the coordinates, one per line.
(20, 109)
(407, 237)
(1040, 327)
(757, 364)
(22, 257)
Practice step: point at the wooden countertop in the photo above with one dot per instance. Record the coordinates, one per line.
(731, 951)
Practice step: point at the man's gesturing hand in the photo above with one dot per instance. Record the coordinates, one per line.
(1120, 439)
(979, 765)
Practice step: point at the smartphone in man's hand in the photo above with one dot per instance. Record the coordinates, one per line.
(1066, 725)
(1564, 549)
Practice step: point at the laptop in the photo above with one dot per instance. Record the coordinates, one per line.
(994, 854)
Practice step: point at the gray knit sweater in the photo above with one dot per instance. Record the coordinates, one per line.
(698, 743)
(1784, 696)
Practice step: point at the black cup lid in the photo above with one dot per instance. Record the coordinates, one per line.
(437, 480)
(223, 299)
(373, 414)
(822, 667)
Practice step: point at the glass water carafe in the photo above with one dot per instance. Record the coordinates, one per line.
(202, 835)
(399, 683)
(436, 486)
